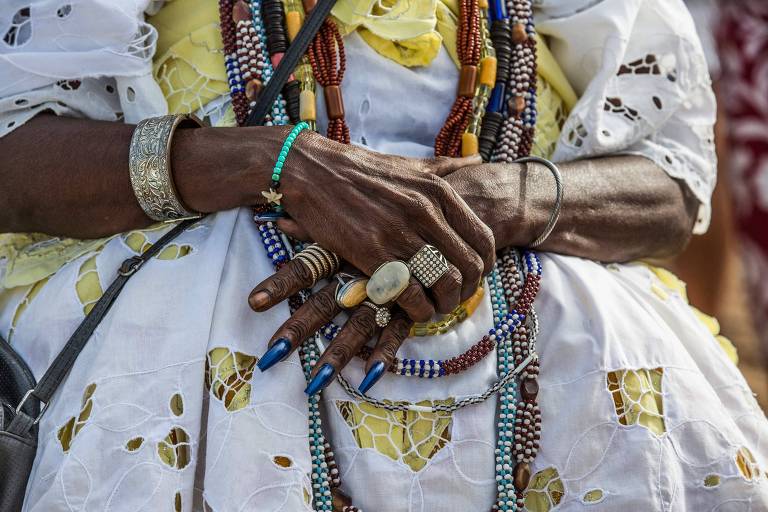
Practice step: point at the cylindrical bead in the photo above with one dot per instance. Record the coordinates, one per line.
(241, 11)
(482, 4)
(307, 110)
(469, 144)
(308, 5)
(467, 81)
(292, 24)
(334, 103)
(519, 35)
(253, 89)
(488, 71)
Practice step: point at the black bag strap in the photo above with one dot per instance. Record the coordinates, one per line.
(64, 362)
(289, 61)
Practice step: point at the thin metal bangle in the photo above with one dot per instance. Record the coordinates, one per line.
(558, 198)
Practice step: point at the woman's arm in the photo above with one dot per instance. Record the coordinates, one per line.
(69, 177)
(614, 208)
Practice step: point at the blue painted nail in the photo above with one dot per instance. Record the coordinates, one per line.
(322, 378)
(372, 377)
(275, 354)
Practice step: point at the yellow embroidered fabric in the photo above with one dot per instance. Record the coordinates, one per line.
(410, 437)
(189, 62)
(410, 33)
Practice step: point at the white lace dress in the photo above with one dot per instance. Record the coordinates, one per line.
(641, 407)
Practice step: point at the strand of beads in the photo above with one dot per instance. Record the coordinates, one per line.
(277, 45)
(318, 447)
(231, 60)
(448, 141)
(303, 72)
(501, 35)
(527, 424)
(486, 81)
(517, 128)
(326, 54)
(279, 114)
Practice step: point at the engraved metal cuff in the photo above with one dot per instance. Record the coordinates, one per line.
(149, 164)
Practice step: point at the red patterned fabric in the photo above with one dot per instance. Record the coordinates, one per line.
(742, 37)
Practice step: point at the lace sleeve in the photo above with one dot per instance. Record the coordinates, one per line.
(644, 88)
(86, 58)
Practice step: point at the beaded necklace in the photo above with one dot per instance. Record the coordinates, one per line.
(504, 116)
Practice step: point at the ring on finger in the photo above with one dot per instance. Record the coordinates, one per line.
(383, 315)
(428, 265)
(350, 290)
(388, 282)
(321, 262)
(311, 264)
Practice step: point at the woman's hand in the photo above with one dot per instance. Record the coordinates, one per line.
(315, 313)
(371, 208)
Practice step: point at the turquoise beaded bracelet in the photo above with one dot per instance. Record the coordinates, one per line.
(273, 197)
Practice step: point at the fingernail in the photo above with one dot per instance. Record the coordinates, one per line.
(321, 379)
(259, 300)
(275, 354)
(372, 377)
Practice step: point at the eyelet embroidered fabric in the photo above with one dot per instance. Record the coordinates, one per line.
(164, 410)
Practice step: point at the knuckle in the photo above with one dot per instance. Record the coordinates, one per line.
(362, 324)
(323, 305)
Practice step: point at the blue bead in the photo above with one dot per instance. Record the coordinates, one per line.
(496, 102)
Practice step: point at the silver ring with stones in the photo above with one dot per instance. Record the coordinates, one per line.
(350, 290)
(388, 282)
(383, 315)
(428, 265)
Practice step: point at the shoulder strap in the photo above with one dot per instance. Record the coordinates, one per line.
(56, 373)
(289, 61)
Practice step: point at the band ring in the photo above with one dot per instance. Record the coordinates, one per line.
(383, 315)
(321, 262)
(428, 265)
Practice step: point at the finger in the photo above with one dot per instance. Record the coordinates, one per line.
(447, 291)
(317, 311)
(462, 257)
(415, 302)
(289, 280)
(293, 229)
(443, 165)
(390, 339)
(360, 327)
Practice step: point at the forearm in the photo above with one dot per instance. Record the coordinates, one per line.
(614, 208)
(70, 177)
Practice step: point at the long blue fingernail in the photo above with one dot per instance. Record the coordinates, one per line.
(372, 377)
(275, 354)
(321, 379)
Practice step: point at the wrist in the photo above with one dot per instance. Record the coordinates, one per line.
(218, 169)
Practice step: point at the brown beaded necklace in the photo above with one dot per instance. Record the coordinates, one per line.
(468, 45)
(327, 52)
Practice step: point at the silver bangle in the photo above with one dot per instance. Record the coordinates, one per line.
(149, 163)
(558, 198)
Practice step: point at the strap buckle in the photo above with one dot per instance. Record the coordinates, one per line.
(24, 400)
(130, 266)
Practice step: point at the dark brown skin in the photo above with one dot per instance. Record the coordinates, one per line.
(69, 177)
